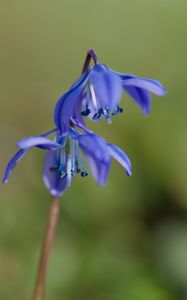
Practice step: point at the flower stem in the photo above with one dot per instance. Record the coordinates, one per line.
(91, 54)
(47, 243)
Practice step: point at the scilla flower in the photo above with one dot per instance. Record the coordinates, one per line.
(98, 91)
(64, 160)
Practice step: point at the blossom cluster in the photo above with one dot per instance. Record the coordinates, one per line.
(95, 95)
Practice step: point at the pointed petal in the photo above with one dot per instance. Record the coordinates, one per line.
(37, 141)
(141, 96)
(65, 105)
(122, 75)
(79, 124)
(121, 157)
(107, 86)
(49, 132)
(95, 151)
(140, 88)
(12, 163)
(148, 84)
(53, 182)
(77, 117)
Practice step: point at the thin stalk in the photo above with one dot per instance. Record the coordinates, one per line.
(47, 243)
(91, 54)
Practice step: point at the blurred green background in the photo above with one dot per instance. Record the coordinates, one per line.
(127, 240)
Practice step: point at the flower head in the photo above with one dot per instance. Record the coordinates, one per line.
(98, 91)
(64, 160)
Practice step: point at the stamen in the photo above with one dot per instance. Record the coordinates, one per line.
(72, 154)
(69, 175)
(77, 169)
(106, 113)
(98, 114)
(85, 112)
(59, 171)
(117, 111)
(62, 174)
(114, 113)
(86, 101)
(62, 156)
(108, 119)
(80, 160)
(84, 173)
(93, 97)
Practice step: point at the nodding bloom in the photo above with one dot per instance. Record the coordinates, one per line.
(98, 91)
(64, 160)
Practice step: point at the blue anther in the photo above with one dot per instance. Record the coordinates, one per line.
(119, 109)
(98, 114)
(85, 112)
(84, 173)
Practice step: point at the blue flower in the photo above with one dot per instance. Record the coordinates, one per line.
(63, 159)
(97, 94)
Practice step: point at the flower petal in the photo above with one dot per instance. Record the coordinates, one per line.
(37, 141)
(53, 182)
(49, 132)
(12, 163)
(95, 151)
(141, 96)
(139, 89)
(65, 105)
(148, 84)
(107, 86)
(121, 157)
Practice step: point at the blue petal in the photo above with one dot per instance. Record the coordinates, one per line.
(141, 96)
(95, 151)
(77, 117)
(12, 163)
(121, 75)
(37, 141)
(107, 86)
(74, 133)
(65, 105)
(53, 182)
(121, 157)
(49, 132)
(148, 84)
(140, 88)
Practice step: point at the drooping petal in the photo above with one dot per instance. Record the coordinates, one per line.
(148, 84)
(95, 151)
(65, 105)
(107, 86)
(12, 163)
(121, 157)
(140, 88)
(141, 96)
(49, 132)
(37, 141)
(122, 75)
(53, 182)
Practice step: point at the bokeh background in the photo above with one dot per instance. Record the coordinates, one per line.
(127, 240)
